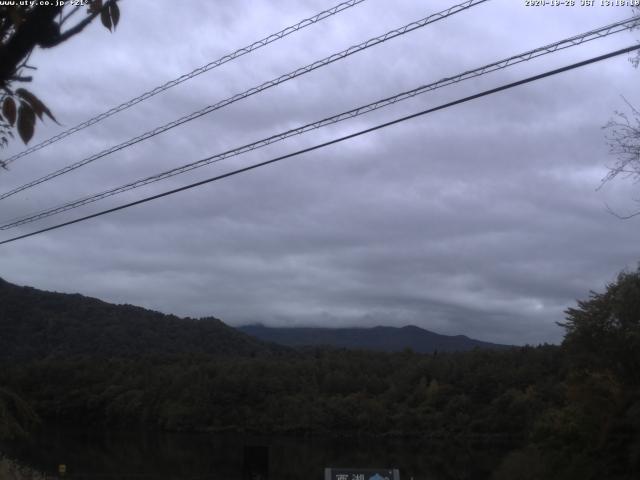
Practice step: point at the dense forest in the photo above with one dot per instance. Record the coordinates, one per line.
(35, 324)
(569, 411)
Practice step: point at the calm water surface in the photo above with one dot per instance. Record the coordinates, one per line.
(91, 454)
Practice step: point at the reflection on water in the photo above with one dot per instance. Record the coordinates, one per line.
(158, 455)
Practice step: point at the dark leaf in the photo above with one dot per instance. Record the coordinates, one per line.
(115, 14)
(9, 110)
(105, 17)
(95, 6)
(38, 107)
(16, 15)
(26, 122)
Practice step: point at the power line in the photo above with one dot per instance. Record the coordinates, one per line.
(252, 91)
(194, 73)
(334, 141)
(510, 61)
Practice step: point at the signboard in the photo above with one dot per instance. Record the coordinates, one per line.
(256, 463)
(361, 474)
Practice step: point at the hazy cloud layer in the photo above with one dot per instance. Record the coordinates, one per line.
(482, 219)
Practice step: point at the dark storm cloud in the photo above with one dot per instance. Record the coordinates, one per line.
(482, 219)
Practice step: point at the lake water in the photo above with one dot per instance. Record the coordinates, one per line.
(163, 456)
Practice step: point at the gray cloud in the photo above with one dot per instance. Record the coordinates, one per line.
(482, 219)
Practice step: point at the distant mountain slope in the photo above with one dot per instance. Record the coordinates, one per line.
(36, 324)
(388, 339)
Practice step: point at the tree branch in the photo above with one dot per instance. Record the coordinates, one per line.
(69, 15)
(31, 31)
(621, 217)
(81, 25)
(19, 78)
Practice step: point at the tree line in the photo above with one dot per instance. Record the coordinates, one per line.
(568, 411)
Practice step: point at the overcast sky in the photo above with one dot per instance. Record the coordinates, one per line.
(482, 219)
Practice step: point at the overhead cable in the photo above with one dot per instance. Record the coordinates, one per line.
(501, 64)
(332, 142)
(194, 73)
(252, 91)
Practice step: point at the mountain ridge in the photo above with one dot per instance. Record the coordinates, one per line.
(37, 324)
(378, 338)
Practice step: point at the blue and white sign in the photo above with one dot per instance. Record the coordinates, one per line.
(361, 474)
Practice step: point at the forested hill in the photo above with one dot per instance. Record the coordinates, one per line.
(385, 339)
(569, 411)
(36, 324)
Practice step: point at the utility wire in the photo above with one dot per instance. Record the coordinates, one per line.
(334, 141)
(194, 73)
(252, 91)
(501, 64)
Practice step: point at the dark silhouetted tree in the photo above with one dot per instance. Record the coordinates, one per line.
(23, 27)
(604, 331)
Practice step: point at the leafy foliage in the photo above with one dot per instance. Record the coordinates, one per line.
(567, 412)
(23, 27)
(595, 433)
(603, 332)
(490, 395)
(11, 470)
(17, 418)
(36, 325)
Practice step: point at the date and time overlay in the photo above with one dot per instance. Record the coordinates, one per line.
(581, 3)
(526, 3)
